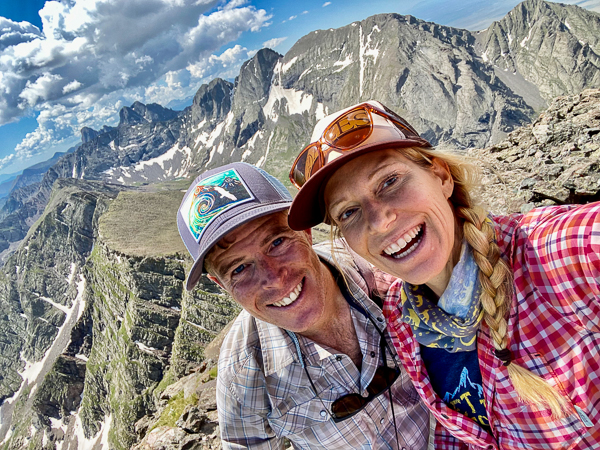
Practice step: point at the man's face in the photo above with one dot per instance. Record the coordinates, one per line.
(273, 273)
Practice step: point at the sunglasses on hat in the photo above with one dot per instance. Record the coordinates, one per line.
(344, 134)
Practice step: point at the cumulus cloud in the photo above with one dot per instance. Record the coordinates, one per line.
(92, 57)
(272, 43)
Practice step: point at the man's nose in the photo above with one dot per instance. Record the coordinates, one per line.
(272, 273)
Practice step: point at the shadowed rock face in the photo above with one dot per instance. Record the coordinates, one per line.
(93, 322)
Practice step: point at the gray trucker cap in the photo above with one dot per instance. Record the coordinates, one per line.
(222, 199)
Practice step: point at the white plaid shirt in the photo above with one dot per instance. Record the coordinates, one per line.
(264, 395)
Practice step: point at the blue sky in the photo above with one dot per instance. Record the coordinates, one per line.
(69, 64)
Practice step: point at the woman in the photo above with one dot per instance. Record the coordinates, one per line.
(497, 318)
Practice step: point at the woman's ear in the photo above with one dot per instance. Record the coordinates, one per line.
(442, 171)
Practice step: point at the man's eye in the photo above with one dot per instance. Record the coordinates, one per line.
(277, 242)
(238, 269)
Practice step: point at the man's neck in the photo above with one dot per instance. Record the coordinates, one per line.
(338, 330)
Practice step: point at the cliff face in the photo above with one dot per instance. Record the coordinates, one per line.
(97, 318)
(551, 46)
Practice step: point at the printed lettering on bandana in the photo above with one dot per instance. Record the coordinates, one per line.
(213, 196)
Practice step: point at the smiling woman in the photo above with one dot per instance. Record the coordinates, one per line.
(487, 311)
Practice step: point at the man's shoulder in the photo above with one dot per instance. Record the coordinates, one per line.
(241, 341)
(253, 345)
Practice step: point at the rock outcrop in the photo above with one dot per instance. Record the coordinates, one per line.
(555, 160)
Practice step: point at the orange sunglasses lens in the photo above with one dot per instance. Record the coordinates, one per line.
(349, 130)
(308, 162)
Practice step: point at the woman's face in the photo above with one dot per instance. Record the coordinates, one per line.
(396, 214)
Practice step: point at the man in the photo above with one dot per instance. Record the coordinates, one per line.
(309, 359)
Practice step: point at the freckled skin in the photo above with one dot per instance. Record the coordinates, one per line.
(263, 261)
(377, 198)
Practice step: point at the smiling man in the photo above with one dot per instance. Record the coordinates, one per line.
(309, 358)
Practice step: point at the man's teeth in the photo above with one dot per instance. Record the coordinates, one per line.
(403, 242)
(292, 297)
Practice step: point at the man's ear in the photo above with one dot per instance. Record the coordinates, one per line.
(215, 280)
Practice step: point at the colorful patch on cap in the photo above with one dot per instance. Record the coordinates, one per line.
(211, 197)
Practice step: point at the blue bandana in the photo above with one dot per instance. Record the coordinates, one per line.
(452, 324)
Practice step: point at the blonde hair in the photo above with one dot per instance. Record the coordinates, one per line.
(495, 276)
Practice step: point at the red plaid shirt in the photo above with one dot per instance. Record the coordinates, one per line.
(553, 330)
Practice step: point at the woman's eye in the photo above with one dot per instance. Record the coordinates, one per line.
(390, 181)
(345, 215)
(238, 269)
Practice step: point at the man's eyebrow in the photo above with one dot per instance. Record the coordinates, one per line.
(224, 269)
(275, 232)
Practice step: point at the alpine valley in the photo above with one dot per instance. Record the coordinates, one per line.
(102, 347)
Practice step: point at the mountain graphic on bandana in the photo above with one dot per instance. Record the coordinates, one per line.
(213, 196)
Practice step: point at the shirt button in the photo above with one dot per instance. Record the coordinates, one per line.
(380, 319)
(338, 358)
(444, 416)
(381, 421)
(323, 413)
(373, 354)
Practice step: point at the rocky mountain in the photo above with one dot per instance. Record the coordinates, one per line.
(101, 345)
(544, 49)
(459, 88)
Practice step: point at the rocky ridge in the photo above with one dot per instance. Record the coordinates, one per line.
(555, 160)
(96, 335)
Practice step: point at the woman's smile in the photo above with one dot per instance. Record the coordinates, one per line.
(396, 214)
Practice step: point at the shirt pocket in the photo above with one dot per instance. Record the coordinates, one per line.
(300, 409)
(517, 424)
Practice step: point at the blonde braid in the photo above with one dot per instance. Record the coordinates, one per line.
(495, 277)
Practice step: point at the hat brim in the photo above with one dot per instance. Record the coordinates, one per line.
(235, 222)
(308, 207)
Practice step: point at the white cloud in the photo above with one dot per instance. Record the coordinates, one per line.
(94, 56)
(292, 17)
(272, 43)
(72, 86)
(326, 4)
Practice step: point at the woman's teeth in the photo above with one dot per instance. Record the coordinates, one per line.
(403, 242)
(291, 298)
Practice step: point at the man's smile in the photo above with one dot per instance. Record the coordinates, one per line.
(291, 298)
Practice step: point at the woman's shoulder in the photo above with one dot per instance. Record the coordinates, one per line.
(544, 221)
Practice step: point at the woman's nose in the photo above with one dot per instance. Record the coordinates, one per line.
(379, 217)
